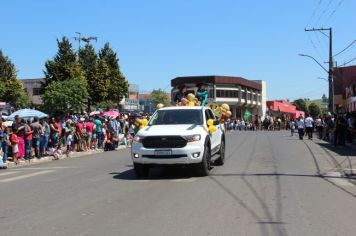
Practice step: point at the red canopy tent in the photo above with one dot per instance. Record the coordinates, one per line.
(284, 107)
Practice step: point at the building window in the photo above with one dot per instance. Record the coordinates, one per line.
(243, 94)
(211, 93)
(249, 96)
(227, 93)
(36, 91)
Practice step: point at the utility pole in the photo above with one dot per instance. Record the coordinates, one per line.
(84, 39)
(79, 38)
(331, 64)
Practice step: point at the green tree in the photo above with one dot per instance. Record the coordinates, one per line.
(106, 105)
(64, 65)
(314, 109)
(160, 96)
(11, 89)
(301, 105)
(118, 85)
(68, 95)
(96, 74)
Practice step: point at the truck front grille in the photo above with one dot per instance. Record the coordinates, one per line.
(164, 142)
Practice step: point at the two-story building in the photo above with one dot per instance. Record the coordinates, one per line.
(241, 94)
(33, 89)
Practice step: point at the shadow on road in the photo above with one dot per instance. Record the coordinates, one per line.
(281, 174)
(158, 173)
(340, 150)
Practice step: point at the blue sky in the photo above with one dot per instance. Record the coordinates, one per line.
(158, 40)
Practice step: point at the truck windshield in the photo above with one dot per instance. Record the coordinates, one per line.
(177, 117)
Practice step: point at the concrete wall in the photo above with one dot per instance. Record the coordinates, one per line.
(31, 84)
(263, 110)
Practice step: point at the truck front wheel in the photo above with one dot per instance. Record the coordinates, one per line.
(221, 160)
(203, 168)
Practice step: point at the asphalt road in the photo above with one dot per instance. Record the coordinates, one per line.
(271, 184)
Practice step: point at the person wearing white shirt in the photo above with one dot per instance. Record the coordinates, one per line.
(300, 124)
(292, 127)
(319, 126)
(309, 126)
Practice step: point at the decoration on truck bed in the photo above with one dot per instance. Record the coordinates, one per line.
(159, 106)
(199, 99)
(189, 100)
(140, 123)
(221, 112)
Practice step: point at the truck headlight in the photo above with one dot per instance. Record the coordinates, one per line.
(193, 138)
(137, 139)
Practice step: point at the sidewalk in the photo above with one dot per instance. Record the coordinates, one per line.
(343, 158)
(45, 159)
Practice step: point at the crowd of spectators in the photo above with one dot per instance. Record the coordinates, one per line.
(25, 140)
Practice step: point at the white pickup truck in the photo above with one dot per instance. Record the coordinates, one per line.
(179, 136)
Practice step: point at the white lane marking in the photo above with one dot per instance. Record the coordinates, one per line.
(141, 181)
(190, 180)
(8, 173)
(48, 168)
(337, 179)
(26, 176)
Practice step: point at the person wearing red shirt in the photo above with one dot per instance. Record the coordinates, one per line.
(28, 139)
(14, 145)
(89, 125)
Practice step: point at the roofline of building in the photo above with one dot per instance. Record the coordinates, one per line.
(34, 79)
(216, 79)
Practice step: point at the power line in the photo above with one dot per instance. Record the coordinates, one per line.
(353, 59)
(333, 12)
(343, 50)
(324, 47)
(315, 48)
(314, 91)
(323, 12)
(315, 10)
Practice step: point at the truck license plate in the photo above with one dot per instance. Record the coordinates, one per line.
(163, 152)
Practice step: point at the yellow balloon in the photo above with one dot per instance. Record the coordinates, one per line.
(228, 114)
(210, 122)
(226, 107)
(159, 106)
(191, 104)
(212, 128)
(144, 122)
(142, 126)
(190, 96)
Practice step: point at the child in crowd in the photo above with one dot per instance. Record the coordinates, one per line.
(109, 141)
(15, 146)
(56, 152)
(5, 144)
(69, 137)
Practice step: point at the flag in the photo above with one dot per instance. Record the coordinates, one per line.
(247, 115)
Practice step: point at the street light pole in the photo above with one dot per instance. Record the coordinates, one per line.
(331, 75)
(330, 80)
(331, 64)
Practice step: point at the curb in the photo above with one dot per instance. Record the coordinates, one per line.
(35, 161)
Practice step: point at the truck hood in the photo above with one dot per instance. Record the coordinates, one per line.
(161, 130)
